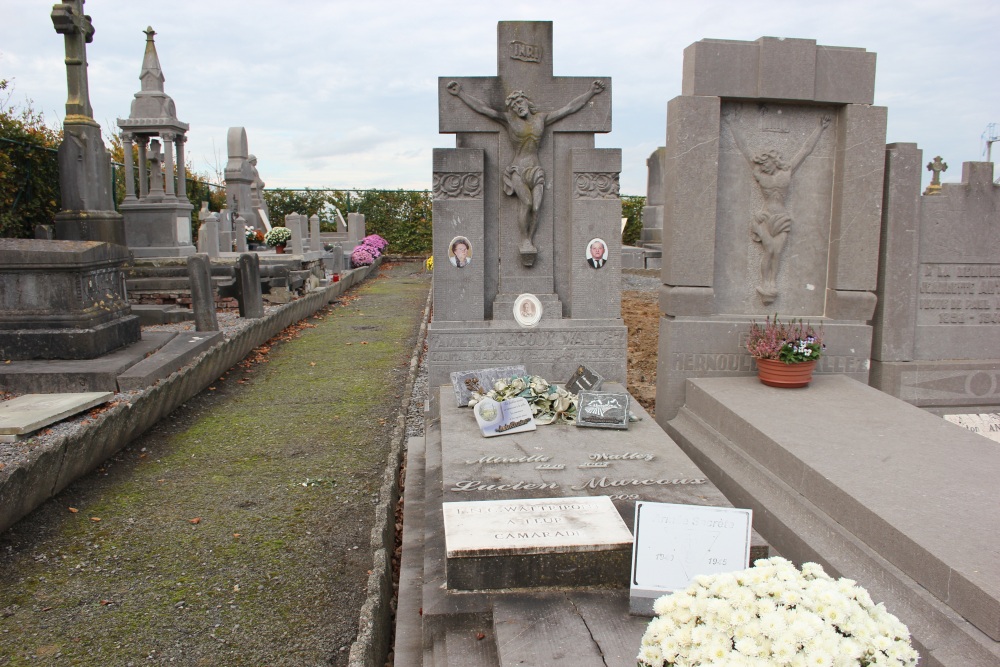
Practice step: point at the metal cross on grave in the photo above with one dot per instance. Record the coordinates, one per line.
(527, 121)
(69, 20)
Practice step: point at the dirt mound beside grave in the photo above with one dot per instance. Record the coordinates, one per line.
(641, 312)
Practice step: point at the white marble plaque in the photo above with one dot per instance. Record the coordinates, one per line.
(986, 424)
(503, 418)
(183, 230)
(28, 413)
(533, 526)
(676, 543)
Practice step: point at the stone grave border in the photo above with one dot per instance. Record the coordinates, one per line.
(56, 465)
(375, 625)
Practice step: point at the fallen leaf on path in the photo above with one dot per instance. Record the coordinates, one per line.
(197, 519)
(73, 510)
(106, 602)
(237, 535)
(312, 363)
(95, 518)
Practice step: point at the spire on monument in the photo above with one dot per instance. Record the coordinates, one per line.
(151, 75)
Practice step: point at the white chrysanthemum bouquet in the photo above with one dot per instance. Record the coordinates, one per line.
(771, 615)
(548, 403)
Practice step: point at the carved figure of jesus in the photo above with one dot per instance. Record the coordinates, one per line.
(771, 224)
(155, 168)
(524, 177)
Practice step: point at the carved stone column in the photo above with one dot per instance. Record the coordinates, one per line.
(181, 171)
(168, 164)
(129, 166)
(143, 172)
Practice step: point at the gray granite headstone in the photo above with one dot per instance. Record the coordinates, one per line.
(937, 325)
(315, 244)
(293, 222)
(772, 195)
(249, 294)
(202, 292)
(514, 248)
(208, 236)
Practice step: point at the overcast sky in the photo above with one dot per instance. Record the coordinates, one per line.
(343, 94)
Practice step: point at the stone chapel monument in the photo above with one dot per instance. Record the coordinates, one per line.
(526, 210)
(158, 221)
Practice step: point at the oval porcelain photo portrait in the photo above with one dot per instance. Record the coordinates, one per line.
(460, 252)
(597, 253)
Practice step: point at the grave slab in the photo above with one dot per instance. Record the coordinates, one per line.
(26, 414)
(173, 356)
(909, 494)
(578, 541)
(44, 376)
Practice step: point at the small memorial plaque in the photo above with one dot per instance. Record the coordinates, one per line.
(466, 382)
(676, 543)
(535, 525)
(535, 542)
(986, 424)
(510, 416)
(584, 379)
(603, 409)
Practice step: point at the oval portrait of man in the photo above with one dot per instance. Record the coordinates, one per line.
(597, 253)
(460, 252)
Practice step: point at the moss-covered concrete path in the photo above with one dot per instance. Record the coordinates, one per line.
(236, 531)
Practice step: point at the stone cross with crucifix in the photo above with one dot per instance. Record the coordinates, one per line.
(527, 121)
(70, 21)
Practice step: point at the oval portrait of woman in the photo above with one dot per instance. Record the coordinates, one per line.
(460, 252)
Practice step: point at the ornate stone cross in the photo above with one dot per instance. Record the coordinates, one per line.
(70, 21)
(935, 166)
(516, 117)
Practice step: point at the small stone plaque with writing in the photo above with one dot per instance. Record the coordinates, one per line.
(466, 382)
(986, 424)
(603, 409)
(536, 525)
(510, 416)
(676, 543)
(584, 379)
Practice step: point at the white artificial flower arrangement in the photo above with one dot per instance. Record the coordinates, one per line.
(548, 403)
(771, 615)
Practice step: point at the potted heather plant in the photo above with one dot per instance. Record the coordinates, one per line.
(786, 352)
(278, 238)
(773, 614)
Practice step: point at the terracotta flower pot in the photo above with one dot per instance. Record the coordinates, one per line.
(280, 249)
(776, 373)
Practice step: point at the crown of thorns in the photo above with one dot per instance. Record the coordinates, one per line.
(519, 94)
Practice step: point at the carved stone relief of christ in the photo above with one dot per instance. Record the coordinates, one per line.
(524, 177)
(771, 225)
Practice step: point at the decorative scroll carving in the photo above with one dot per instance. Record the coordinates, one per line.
(467, 185)
(592, 185)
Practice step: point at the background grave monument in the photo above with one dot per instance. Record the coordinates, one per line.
(529, 191)
(772, 189)
(937, 325)
(88, 211)
(158, 220)
(241, 179)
